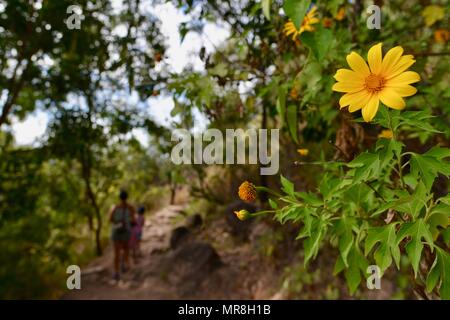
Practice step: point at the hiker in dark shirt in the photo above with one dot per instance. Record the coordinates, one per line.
(121, 218)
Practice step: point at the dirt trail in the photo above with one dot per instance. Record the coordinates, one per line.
(143, 280)
(192, 270)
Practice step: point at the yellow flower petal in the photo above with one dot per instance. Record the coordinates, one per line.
(386, 134)
(313, 11)
(354, 98)
(392, 99)
(374, 57)
(370, 110)
(347, 87)
(360, 102)
(346, 75)
(390, 59)
(357, 63)
(404, 63)
(404, 90)
(403, 79)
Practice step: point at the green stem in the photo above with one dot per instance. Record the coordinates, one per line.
(399, 157)
(264, 189)
(255, 214)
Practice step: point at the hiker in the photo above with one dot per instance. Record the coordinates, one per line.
(136, 234)
(121, 217)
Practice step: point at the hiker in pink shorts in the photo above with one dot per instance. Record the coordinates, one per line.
(136, 234)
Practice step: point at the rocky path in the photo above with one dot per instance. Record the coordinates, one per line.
(142, 281)
(180, 261)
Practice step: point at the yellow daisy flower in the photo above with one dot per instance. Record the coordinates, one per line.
(327, 22)
(441, 36)
(386, 134)
(340, 14)
(308, 21)
(384, 79)
(303, 152)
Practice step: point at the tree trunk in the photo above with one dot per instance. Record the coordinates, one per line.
(173, 190)
(13, 92)
(93, 201)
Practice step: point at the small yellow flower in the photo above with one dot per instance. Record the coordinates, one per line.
(385, 79)
(303, 152)
(294, 93)
(432, 14)
(247, 191)
(386, 134)
(242, 214)
(308, 21)
(327, 22)
(441, 36)
(340, 15)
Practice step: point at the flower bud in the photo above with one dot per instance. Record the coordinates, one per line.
(247, 191)
(242, 214)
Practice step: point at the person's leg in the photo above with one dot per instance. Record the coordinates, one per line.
(116, 258)
(126, 254)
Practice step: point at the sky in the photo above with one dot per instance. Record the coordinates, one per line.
(177, 56)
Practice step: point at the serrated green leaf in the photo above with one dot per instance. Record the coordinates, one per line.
(296, 10)
(440, 272)
(343, 230)
(366, 166)
(287, 186)
(427, 167)
(413, 204)
(311, 245)
(310, 198)
(319, 42)
(273, 204)
(357, 265)
(388, 247)
(416, 230)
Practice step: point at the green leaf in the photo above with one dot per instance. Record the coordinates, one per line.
(359, 194)
(273, 204)
(266, 8)
(357, 265)
(413, 204)
(177, 108)
(388, 247)
(415, 119)
(339, 266)
(428, 165)
(311, 245)
(310, 198)
(387, 148)
(366, 166)
(292, 121)
(296, 10)
(439, 217)
(319, 42)
(440, 271)
(307, 219)
(287, 186)
(416, 230)
(343, 230)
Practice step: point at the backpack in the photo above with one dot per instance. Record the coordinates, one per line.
(122, 227)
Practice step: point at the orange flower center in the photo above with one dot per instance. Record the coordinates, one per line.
(374, 83)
